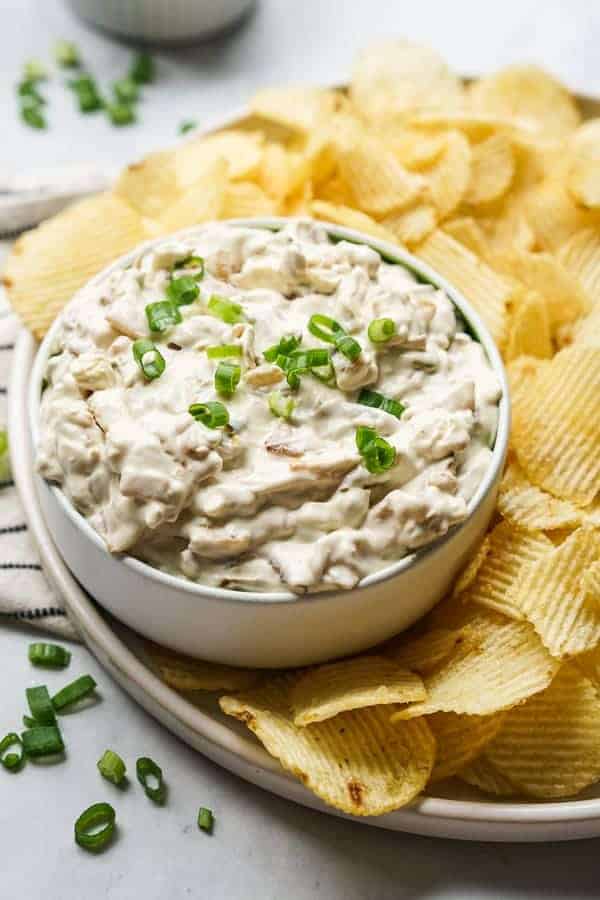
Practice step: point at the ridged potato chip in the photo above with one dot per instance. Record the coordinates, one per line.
(469, 573)
(527, 506)
(149, 186)
(414, 149)
(357, 762)
(448, 180)
(520, 373)
(350, 218)
(243, 199)
(460, 739)
(422, 653)
(412, 225)
(553, 214)
(296, 107)
(186, 674)
(589, 664)
(550, 593)
(485, 289)
(529, 332)
(590, 581)
(549, 747)
(49, 264)
(241, 150)
(492, 170)
(481, 774)
(555, 425)
(497, 667)
(580, 256)
(467, 231)
(377, 181)
(201, 201)
(326, 691)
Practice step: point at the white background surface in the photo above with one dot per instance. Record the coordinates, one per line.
(263, 847)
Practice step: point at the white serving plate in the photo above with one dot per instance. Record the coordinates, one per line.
(455, 811)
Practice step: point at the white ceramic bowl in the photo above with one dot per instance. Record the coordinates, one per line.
(274, 629)
(163, 21)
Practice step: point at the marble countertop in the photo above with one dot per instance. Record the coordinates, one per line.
(262, 846)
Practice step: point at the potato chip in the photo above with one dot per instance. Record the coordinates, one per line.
(529, 331)
(149, 186)
(510, 548)
(241, 150)
(336, 192)
(549, 747)
(422, 653)
(550, 593)
(467, 231)
(413, 149)
(276, 176)
(520, 373)
(449, 178)
(460, 739)
(469, 573)
(487, 291)
(527, 506)
(48, 265)
(326, 691)
(377, 181)
(580, 256)
(553, 214)
(555, 425)
(357, 762)
(529, 93)
(202, 201)
(412, 225)
(476, 125)
(481, 774)
(395, 77)
(186, 674)
(497, 666)
(584, 182)
(589, 664)
(243, 199)
(299, 108)
(350, 218)
(492, 170)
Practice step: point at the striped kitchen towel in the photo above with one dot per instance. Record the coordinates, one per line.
(24, 592)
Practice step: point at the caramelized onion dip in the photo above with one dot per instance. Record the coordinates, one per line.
(266, 410)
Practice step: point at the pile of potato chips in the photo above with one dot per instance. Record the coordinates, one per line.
(496, 184)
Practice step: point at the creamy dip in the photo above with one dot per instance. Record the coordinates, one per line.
(267, 502)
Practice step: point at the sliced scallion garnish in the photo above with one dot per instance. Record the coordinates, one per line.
(112, 767)
(86, 91)
(378, 401)
(40, 705)
(9, 759)
(33, 116)
(183, 291)
(187, 125)
(35, 70)
(121, 113)
(162, 315)
(225, 309)
(142, 69)
(43, 740)
(126, 90)
(211, 414)
(327, 329)
(220, 351)
(280, 405)
(72, 693)
(381, 330)
(378, 456)
(348, 347)
(95, 826)
(28, 722)
(206, 819)
(149, 358)
(66, 54)
(286, 345)
(192, 262)
(227, 378)
(150, 776)
(50, 656)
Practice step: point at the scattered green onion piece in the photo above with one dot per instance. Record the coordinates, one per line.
(126, 90)
(211, 414)
(95, 827)
(87, 94)
(35, 70)
(227, 378)
(162, 315)
(306, 359)
(347, 346)
(28, 722)
(71, 693)
(66, 54)
(142, 69)
(326, 374)
(121, 114)
(11, 761)
(381, 330)
(223, 350)
(285, 346)
(183, 291)
(40, 705)
(43, 740)
(378, 401)
(49, 655)
(147, 769)
(280, 405)
(192, 262)
(5, 474)
(324, 328)
(112, 767)
(378, 456)
(187, 125)
(27, 90)
(225, 309)
(149, 358)
(33, 117)
(206, 819)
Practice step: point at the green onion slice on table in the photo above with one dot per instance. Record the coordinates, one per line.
(51, 656)
(378, 401)
(378, 456)
(183, 291)
(10, 759)
(66, 54)
(225, 309)
(43, 740)
(150, 776)
(126, 90)
(95, 826)
(227, 378)
(73, 692)
(40, 705)
(327, 329)
(162, 315)
(149, 358)
(121, 113)
(381, 330)
(212, 414)
(206, 819)
(142, 69)
(112, 767)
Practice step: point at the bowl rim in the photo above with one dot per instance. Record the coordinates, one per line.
(389, 252)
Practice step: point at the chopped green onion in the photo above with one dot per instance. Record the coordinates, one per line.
(378, 401)
(73, 692)
(377, 454)
(112, 767)
(227, 378)
(11, 761)
(49, 655)
(142, 69)
(43, 740)
(302, 362)
(87, 93)
(192, 262)
(225, 309)
(307, 359)
(27, 89)
(381, 330)
(183, 291)
(211, 414)
(149, 358)
(187, 125)
(350, 348)
(126, 90)
(285, 346)
(280, 405)
(121, 114)
(147, 771)
(223, 350)
(28, 722)
(32, 116)
(4, 456)
(66, 54)
(324, 328)
(95, 827)
(206, 819)
(35, 70)
(40, 705)
(162, 315)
